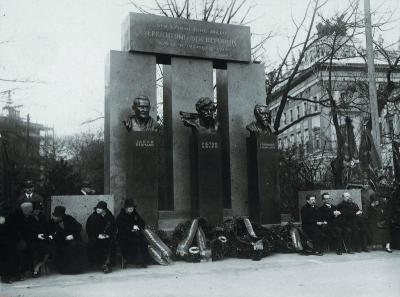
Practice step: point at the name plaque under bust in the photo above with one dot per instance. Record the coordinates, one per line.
(263, 166)
(142, 173)
(206, 176)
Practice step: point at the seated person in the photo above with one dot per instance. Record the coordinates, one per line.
(19, 222)
(101, 230)
(69, 249)
(9, 260)
(328, 213)
(311, 225)
(379, 215)
(130, 237)
(352, 218)
(41, 239)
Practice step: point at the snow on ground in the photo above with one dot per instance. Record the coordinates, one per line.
(365, 274)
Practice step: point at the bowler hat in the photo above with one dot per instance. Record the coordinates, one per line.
(129, 203)
(101, 205)
(28, 183)
(59, 211)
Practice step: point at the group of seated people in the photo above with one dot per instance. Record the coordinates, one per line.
(345, 227)
(28, 240)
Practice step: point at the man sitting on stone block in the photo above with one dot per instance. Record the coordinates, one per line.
(101, 231)
(130, 237)
(329, 213)
(312, 223)
(352, 217)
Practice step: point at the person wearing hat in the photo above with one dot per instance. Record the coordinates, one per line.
(9, 260)
(352, 219)
(87, 189)
(101, 231)
(41, 238)
(130, 236)
(69, 249)
(29, 194)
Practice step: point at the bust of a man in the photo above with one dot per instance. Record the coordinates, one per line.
(262, 125)
(140, 120)
(204, 121)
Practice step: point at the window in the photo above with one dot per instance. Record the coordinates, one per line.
(298, 112)
(291, 139)
(315, 103)
(291, 115)
(298, 140)
(390, 127)
(317, 142)
(305, 108)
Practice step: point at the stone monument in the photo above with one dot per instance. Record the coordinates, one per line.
(189, 51)
(263, 165)
(206, 175)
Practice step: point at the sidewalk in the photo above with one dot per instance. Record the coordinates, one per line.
(372, 274)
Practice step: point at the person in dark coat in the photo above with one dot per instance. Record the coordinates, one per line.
(379, 217)
(69, 249)
(328, 213)
(311, 225)
(19, 222)
(41, 238)
(9, 260)
(101, 231)
(29, 194)
(130, 236)
(352, 218)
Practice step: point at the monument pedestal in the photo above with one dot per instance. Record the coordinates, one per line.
(142, 174)
(206, 177)
(263, 164)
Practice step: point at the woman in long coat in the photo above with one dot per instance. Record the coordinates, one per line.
(379, 215)
(101, 230)
(131, 239)
(41, 238)
(69, 249)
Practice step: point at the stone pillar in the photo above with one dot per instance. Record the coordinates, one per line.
(263, 173)
(127, 76)
(239, 88)
(185, 81)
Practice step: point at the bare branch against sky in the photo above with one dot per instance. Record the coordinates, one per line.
(63, 44)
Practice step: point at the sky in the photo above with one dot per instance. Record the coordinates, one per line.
(59, 47)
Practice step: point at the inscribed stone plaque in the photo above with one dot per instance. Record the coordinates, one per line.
(182, 37)
(263, 164)
(142, 174)
(207, 178)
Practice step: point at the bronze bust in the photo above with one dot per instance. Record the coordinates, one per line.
(140, 120)
(262, 125)
(204, 121)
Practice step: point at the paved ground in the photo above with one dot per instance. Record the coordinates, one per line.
(366, 274)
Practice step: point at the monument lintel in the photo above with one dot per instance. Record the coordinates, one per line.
(161, 35)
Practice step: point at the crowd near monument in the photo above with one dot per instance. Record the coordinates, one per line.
(210, 167)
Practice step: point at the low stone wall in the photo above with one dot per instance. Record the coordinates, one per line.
(81, 206)
(336, 196)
